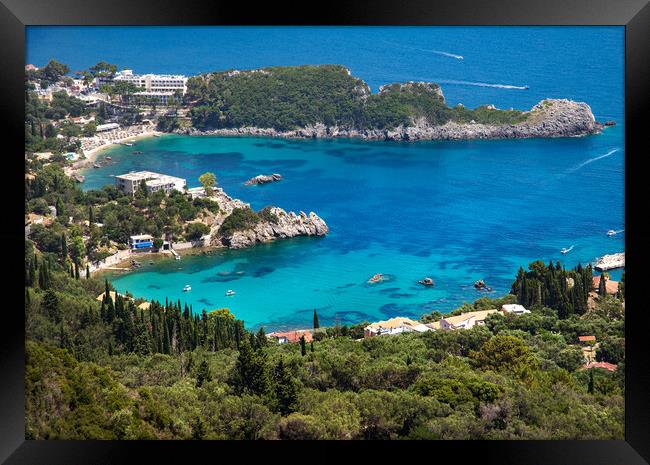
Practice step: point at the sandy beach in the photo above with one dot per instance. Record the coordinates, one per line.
(92, 146)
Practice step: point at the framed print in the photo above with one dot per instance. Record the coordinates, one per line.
(418, 223)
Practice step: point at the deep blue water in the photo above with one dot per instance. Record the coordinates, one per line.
(455, 211)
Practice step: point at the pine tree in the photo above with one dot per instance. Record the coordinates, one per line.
(286, 389)
(316, 323)
(303, 347)
(260, 339)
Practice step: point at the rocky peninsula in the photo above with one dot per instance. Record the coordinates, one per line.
(549, 118)
(326, 101)
(237, 226)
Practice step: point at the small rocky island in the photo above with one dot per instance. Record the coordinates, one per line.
(263, 179)
(326, 101)
(237, 226)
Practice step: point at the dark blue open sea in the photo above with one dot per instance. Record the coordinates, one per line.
(454, 211)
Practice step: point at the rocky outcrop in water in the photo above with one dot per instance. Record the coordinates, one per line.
(288, 225)
(263, 179)
(549, 118)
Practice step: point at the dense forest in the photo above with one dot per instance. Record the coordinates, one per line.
(287, 98)
(114, 369)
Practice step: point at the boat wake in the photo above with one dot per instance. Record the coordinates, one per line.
(591, 160)
(444, 54)
(481, 84)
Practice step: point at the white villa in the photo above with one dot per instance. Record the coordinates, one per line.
(514, 308)
(466, 320)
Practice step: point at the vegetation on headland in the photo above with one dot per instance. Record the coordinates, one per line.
(108, 369)
(287, 98)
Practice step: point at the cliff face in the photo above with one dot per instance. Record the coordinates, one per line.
(282, 225)
(549, 118)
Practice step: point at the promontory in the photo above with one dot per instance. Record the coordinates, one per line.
(327, 101)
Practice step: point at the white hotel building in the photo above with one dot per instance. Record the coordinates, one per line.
(130, 182)
(160, 86)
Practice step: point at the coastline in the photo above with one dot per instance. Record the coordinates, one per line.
(91, 155)
(550, 118)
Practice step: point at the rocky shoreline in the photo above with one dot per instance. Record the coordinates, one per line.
(277, 224)
(549, 118)
(610, 262)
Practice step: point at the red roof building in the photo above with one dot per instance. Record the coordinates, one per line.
(587, 338)
(291, 336)
(604, 365)
(610, 286)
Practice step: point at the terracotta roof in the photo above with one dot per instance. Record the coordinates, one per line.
(605, 365)
(611, 286)
(586, 338)
(293, 336)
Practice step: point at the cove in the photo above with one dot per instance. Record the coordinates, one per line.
(455, 211)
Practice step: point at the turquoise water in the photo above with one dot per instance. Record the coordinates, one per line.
(454, 211)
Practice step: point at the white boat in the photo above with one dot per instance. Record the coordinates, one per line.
(230, 292)
(187, 288)
(565, 250)
(178, 257)
(611, 232)
(128, 144)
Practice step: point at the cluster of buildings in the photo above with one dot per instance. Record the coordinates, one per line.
(467, 320)
(160, 87)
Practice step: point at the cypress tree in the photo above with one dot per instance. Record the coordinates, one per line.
(87, 271)
(60, 207)
(312, 346)
(590, 386)
(303, 347)
(166, 344)
(316, 323)
(76, 272)
(91, 215)
(64, 247)
(602, 285)
(260, 339)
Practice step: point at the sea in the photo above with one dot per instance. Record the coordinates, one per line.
(454, 211)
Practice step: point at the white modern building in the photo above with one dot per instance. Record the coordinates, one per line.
(159, 86)
(130, 182)
(107, 127)
(141, 241)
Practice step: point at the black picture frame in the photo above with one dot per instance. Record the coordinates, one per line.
(634, 15)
